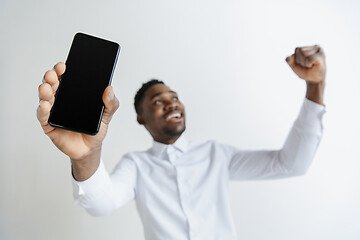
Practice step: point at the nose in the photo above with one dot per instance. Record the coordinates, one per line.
(171, 105)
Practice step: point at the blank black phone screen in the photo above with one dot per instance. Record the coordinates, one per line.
(78, 102)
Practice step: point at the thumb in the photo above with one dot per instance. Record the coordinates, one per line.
(291, 60)
(299, 70)
(111, 104)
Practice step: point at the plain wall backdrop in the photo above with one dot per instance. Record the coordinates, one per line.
(226, 59)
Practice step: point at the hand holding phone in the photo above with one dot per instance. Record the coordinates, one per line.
(74, 144)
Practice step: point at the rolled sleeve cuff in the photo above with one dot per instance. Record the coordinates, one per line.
(93, 184)
(310, 117)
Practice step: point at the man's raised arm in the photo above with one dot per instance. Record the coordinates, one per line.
(83, 150)
(302, 142)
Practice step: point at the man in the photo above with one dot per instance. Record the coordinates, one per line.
(180, 187)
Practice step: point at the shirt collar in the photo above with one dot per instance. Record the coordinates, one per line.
(180, 144)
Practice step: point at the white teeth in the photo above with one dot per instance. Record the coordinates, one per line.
(177, 114)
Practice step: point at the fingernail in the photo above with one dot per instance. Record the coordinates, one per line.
(287, 59)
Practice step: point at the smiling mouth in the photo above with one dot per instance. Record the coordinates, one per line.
(174, 117)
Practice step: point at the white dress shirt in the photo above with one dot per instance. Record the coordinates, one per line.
(181, 190)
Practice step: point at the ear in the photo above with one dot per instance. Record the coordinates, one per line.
(140, 120)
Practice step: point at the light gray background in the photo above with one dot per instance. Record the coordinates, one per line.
(226, 59)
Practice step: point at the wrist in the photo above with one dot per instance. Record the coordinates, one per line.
(315, 91)
(87, 156)
(84, 167)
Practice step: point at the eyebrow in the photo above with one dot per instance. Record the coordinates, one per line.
(159, 93)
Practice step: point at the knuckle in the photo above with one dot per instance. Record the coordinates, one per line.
(59, 67)
(44, 87)
(45, 91)
(116, 104)
(41, 88)
(302, 51)
(308, 62)
(44, 106)
(49, 74)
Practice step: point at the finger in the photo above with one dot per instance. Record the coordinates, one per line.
(308, 51)
(43, 113)
(298, 69)
(111, 104)
(46, 93)
(51, 78)
(59, 69)
(299, 57)
(314, 56)
(301, 54)
(313, 60)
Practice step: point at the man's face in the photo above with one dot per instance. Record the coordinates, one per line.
(162, 114)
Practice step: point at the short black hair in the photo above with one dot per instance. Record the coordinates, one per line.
(140, 93)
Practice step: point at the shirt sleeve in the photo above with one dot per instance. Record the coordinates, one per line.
(293, 159)
(103, 192)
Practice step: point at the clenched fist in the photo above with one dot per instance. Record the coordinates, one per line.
(308, 63)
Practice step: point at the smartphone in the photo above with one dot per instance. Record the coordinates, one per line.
(90, 65)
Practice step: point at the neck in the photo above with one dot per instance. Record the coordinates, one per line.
(167, 141)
